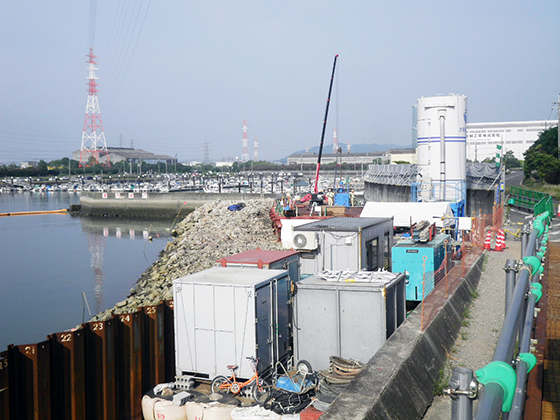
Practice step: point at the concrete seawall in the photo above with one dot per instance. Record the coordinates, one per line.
(398, 382)
(156, 205)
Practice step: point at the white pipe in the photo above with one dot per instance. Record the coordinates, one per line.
(442, 154)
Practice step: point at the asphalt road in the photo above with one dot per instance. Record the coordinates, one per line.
(519, 216)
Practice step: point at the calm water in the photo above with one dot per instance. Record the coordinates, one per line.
(47, 263)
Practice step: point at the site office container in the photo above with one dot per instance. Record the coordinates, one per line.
(269, 259)
(225, 314)
(345, 243)
(349, 317)
(420, 261)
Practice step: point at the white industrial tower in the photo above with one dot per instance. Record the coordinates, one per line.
(245, 144)
(335, 141)
(256, 150)
(93, 137)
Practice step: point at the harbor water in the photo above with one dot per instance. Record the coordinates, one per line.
(55, 269)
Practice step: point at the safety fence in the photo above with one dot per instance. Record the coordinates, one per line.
(534, 201)
(459, 257)
(501, 385)
(99, 371)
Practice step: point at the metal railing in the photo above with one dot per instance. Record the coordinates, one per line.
(534, 201)
(502, 383)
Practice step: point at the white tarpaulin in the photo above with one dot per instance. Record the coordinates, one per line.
(406, 213)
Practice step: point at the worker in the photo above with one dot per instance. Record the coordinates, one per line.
(352, 198)
(330, 197)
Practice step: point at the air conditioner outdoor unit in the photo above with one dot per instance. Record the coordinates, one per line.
(305, 240)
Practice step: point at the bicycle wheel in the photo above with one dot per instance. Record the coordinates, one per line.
(304, 367)
(217, 382)
(261, 391)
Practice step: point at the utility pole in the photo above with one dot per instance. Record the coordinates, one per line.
(503, 162)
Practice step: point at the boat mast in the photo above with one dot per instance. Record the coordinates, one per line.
(324, 128)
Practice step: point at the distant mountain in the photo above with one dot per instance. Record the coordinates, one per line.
(356, 148)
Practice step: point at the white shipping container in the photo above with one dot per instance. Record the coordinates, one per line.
(225, 314)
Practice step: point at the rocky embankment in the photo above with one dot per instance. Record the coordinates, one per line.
(209, 233)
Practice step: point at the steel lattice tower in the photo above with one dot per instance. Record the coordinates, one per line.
(245, 144)
(93, 137)
(335, 141)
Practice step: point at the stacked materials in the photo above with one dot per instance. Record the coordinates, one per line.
(423, 231)
(334, 380)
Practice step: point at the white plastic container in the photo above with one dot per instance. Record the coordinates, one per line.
(254, 413)
(211, 411)
(165, 409)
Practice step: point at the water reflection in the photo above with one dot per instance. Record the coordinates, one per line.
(99, 229)
(97, 250)
(127, 228)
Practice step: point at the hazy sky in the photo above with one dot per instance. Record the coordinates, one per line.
(176, 74)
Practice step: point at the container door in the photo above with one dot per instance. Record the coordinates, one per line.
(282, 310)
(263, 309)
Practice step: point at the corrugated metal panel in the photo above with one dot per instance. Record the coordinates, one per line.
(100, 370)
(129, 366)
(68, 378)
(169, 340)
(154, 355)
(30, 381)
(256, 255)
(4, 386)
(345, 224)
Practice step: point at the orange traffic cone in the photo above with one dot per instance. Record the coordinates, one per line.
(558, 214)
(488, 241)
(500, 241)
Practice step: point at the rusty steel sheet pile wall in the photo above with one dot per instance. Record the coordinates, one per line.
(4, 391)
(99, 371)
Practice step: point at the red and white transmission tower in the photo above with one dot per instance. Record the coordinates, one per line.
(93, 137)
(245, 140)
(256, 147)
(335, 141)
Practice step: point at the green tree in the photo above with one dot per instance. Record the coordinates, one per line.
(511, 161)
(541, 159)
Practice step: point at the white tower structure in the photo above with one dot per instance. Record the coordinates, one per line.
(256, 150)
(93, 136)
(441, 148)
(335, 141)
(245, 144)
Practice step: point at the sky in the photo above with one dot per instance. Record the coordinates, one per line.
(179, 77)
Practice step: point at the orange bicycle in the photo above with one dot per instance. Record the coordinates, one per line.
(260, 391)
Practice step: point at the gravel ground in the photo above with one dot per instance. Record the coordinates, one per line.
(478, 337)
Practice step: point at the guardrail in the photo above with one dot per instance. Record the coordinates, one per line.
(502, 382)
(534, 201)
